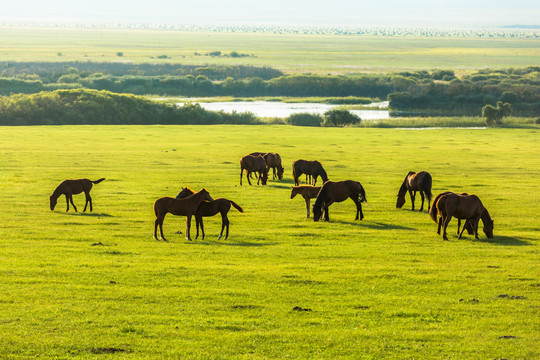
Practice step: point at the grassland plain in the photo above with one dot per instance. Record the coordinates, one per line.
(76, 285)
(291, 53)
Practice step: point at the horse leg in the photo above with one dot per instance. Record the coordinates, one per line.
(67, 202)
(326, 215)
(459, 225)
(413, 195)
(462, 230)
(227, 223)
(358, 206)
(446, 222)
(439, 225)
(197, 219)
(422, 196)
(188, 227)
(307, 207)
(273, 173)
(88, 200)
(202, 227)
(70, 200)
(241, 173)
(314, 180)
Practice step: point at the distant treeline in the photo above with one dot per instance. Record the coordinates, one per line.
(81, 106)
(431, 92)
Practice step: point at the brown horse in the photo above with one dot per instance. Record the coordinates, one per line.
(211, 208)
(70, 187)
(415, 182)
(337, 191)
(467, 225)
(461, 206)
(256, 153)
(311, 168)
(308, 192)
(254, 164)
(180, 207)
(273, 160)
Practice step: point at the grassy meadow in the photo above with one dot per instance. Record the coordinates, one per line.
(291, 53)
(77, 285)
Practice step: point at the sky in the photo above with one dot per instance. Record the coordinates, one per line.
(416, 13)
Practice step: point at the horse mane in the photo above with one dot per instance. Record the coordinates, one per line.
(323, 174)
(57, 192)
(403, 189)
(433, 209)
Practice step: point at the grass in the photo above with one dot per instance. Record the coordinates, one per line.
(77, 285)
(291, 53)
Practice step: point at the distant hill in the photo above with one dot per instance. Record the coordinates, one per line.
(521, 27)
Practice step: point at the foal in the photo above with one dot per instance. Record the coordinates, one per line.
(211, 208)
(308, 192)
(70, 187)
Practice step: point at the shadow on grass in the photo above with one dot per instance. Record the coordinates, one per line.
(89, 214)
(505, 241)
(228, 242)
(371, 225)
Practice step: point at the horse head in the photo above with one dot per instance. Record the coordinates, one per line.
(264, 177)
(280, 172)
(488, 229)
(317, 212)
(206, 194)
(52, 201)
(294, 192)
(400, 201)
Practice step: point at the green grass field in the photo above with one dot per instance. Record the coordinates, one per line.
(291, 53)
(77, 285)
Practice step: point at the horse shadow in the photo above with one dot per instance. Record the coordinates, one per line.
(92, 214)
(229, 243)
(505, 241)
(374, 225)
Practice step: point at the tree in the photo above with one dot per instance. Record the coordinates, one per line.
(494, 115)
(340, 118)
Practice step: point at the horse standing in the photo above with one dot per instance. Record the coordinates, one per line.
(273, 160)
(308, 192)
(70, 187)
(467, 225)
(180, 207)
(254, 164)
(338, 191)
(211, 208)
(415, 182)
(311, 168)
(461, 206)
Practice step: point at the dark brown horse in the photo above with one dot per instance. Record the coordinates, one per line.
(273, 160)
(180, 207)
(308, 192)
(70, 187)
(311, 168)
(254, 164)
(337, 191)
(467, 225)
(211, 208)
(415, 182)
(256, 153)
(460, 206)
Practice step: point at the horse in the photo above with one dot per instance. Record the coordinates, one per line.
(254, 164)
(311, 168)
(256, 153)
(338, 191)
(308, 192)
(273, 160)
(467, 225)
(415, 182)
(70, 187)
(211, 208)
(180, 207)
(461, 206)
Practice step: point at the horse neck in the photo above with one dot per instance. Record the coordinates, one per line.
(484, 215)
(321, 197)
(403, 189)
(57, 192)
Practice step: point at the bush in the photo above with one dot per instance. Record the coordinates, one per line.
(305, 119)
(340, 118)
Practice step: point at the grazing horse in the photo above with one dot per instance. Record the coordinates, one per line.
(180, 207)
(254, 164)
(311, 168)
(70, 187)
(308, 192)
(337, 191)
(256, 153)
(273, 160)
(415, 182)
(211, 208)
(461, 206)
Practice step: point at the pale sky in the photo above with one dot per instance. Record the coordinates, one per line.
(418, 13)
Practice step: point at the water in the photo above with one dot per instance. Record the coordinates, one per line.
(269, 109)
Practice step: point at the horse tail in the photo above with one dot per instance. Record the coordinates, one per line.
(426, 186)
(294, 171)
(433, 209)
(362, 192)
(98, 181)
(321, 197)
(236, 206)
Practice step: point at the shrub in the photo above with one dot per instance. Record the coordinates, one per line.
(305, 119)
(340, 118)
